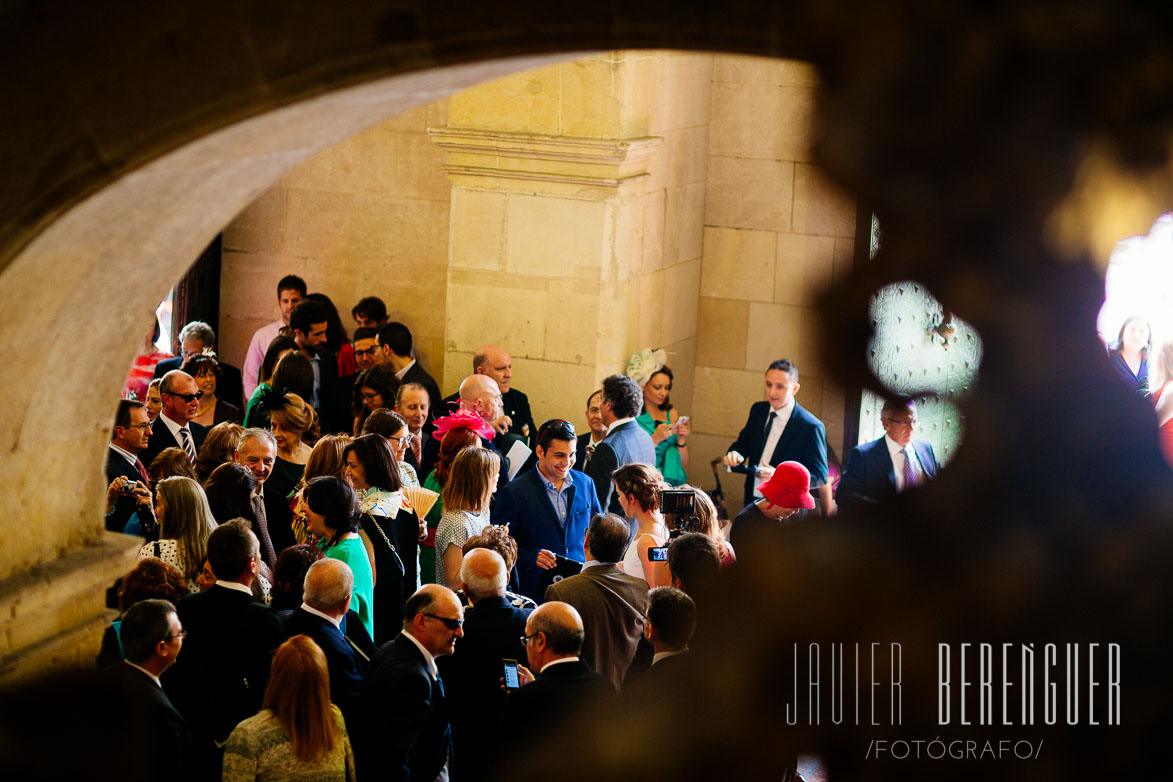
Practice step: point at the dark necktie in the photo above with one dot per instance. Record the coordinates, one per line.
(909, 472)
(267, 552)
(188, 445)
(142, 471)
(766, 436)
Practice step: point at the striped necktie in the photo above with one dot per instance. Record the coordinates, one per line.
(188, 445)
(909, 472)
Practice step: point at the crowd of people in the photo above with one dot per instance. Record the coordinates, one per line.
(355, 574)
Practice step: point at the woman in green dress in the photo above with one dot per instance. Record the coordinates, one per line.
(332, 512)
(669, 429)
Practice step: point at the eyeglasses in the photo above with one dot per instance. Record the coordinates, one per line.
(525, 638)
(902, 421)
(367, 352)
(398, 441)
(145, 426)
(449, 622)
(371, 396)
(189, 398)
(180, 635)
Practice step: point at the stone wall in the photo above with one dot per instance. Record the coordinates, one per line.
(775, 232)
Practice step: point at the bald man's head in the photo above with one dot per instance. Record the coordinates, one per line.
(481, 394)
(562, 626)
(484, 575)
(495, 362)
(434, 616)
(328, 585)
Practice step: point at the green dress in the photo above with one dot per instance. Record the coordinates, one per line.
(354, 553)
(428, 546)
(252, 413)
(667, 454)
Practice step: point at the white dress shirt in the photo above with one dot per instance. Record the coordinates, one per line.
(777, 426)
(896, 451)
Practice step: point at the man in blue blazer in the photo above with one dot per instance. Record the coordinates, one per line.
(626, 441)
(780, 430)
(548, 508)
(879, 470)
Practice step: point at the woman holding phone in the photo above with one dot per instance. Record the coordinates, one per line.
(669, 431)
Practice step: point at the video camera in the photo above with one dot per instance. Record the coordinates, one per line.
(680, 504)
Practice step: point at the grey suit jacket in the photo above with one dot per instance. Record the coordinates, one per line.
(612, 606)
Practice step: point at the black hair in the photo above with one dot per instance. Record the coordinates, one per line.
(279, 345)
(291, 282)
(608, 534)
(396, 337)
(143, 626)
(381, 379)
(556, 429)
(231, 547)
(335, 499)
(418, 603)
(122, 417)
(306, 314)
(364, 332)
(229, 490)
(374, 454)
(592, 396)
(625, 396)
(673, 615)
(294, 374)
(371, 308)
(383, 422)
(336, 335)
(694, 559)
(787, 366)
(667, 404)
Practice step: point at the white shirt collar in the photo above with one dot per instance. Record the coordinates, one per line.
(615, 424)
(125, 454)
(403, 371)
(665, 655)
(431, 661)
(895, 447)
(234, 585)
(555, 662)
(784, 411)
(309, 609)
(594, 563)
(173, 427)
(154, 678)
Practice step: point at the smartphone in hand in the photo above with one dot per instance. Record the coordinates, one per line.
(512, 680)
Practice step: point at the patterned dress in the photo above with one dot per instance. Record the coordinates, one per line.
(260, 749)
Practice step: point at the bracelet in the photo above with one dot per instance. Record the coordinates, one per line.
(679, 444)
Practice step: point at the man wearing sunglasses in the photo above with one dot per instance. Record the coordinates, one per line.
(174, 427)
(404, 733)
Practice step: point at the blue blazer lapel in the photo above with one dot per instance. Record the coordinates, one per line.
(883, 458)
(927, 462)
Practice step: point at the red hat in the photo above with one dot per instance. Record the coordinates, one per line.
(789, 486)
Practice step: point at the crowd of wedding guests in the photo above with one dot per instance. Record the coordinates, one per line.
(344, 571)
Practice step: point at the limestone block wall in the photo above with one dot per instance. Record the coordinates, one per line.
(775, 232)
(365, 217)
(577, 205)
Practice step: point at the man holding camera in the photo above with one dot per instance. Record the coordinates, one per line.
(129, 484)
(547, 509)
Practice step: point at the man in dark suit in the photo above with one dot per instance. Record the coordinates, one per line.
(547, 508)
(557, 682)
(404, 733)
(325, 600)
(194, 338)
(152, 638)
(132, 432)
(220, 678)
(414, 404)
(611, 603)
(308, 321)
(174, 427)
(396, 345)
(492, 632)
(879, 470)
(626, 441)
(589, 440)
(272, 521)
(668, 627)
(780, 430)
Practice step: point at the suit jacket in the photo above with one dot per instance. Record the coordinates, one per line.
(334, 410)
(612, 606)
(492, 633)
(279, 520)
(525, 507)
(124, 506)
(345, 662)
(404, 732)
(416, 374)
(626, 444)
(161, 439)
(870, 476)
(151, 723)
(804, 440)
(219, 678)
(547, 701)
(229, 385)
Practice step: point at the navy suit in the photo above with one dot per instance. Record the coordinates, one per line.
(804, 440)
(158, 733)
(228, 383)
(124, 506)
(403, 733)
(524, 505)
(416, 374)
(625, 444)
(345, 662)
(870, 476)
(161, 439)
(546, 702)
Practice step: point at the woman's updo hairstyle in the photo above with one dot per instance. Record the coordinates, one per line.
(296, 415)
(642, 482)
(334, 499)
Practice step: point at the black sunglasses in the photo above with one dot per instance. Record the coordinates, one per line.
(450, 623)
(187, 397)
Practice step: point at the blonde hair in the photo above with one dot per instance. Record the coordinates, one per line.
(706, 512)
(298, 695)
(328, 456)
(187, 520)
(470, 480)
(641, 482)
(295, 415)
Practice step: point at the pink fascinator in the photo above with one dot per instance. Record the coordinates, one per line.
(463, 419)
